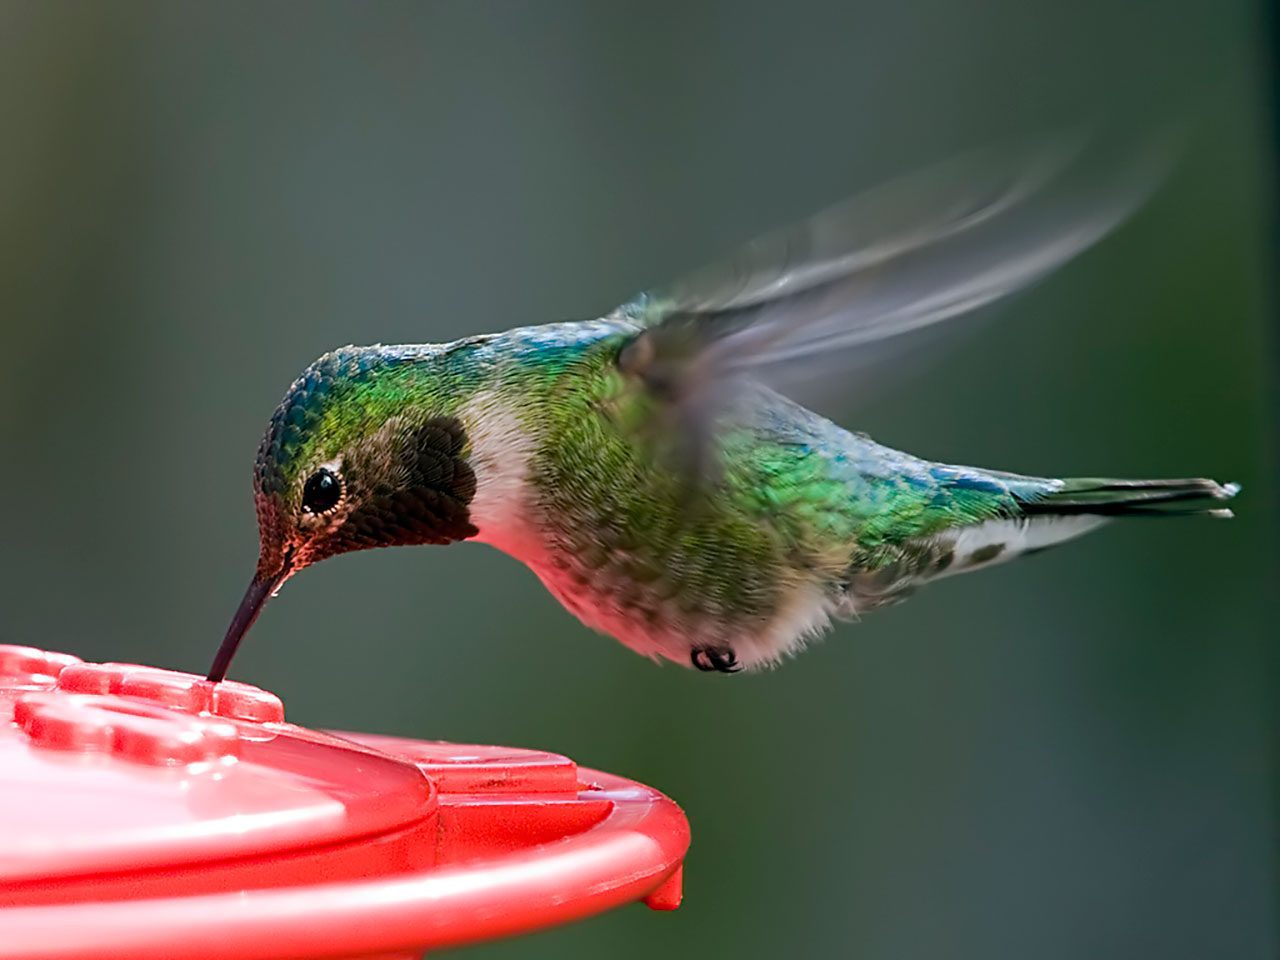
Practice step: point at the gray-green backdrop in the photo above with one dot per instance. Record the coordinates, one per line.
(1065, 758)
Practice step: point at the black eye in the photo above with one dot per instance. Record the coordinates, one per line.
(322, 492)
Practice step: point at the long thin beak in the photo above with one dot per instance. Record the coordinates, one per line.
(260, 588)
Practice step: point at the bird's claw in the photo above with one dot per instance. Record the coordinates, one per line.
(718, 659)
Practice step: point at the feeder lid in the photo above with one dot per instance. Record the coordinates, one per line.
(145, 812)
(125, 767)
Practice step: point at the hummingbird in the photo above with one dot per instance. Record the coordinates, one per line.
(648, 465)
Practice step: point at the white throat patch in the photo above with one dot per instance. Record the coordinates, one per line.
(500, 452)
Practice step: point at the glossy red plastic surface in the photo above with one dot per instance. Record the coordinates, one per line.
(147, 813)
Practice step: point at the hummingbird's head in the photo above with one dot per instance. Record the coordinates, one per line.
(359, 454)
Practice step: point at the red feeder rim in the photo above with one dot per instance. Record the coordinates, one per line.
(152, 814)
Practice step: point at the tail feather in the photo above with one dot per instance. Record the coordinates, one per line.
(1133, 498)
(1050, 512)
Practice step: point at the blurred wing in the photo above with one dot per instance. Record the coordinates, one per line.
(927, 248)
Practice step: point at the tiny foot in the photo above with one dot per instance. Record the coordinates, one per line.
(719, 659)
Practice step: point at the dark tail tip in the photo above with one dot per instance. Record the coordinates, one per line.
(1136, 498)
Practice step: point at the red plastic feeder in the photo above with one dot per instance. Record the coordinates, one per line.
(151, 814)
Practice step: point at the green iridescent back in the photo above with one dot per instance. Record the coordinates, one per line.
(793, 499)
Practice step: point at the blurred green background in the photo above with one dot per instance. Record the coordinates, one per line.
(1063, 758)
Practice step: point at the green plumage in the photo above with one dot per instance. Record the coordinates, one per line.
(799, 521)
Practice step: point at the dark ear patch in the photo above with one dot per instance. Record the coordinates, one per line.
(429, 503)
(436, 463)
